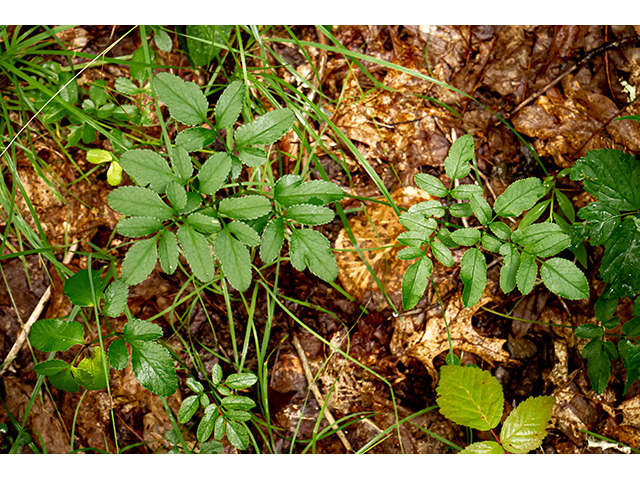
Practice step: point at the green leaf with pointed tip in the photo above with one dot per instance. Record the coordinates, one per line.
(50, 367)
(186, 102)
(564, 279)
(470, 397)
(115, 298)
(205, 428)
(177, 196)
(521, 195)
(309, 248)
(203, 223)
(153, 367)
(236, 402)
(457, 162)
(534, 214)
(526, 426)
(444, 235)
(410, 253)
(77, 288)
(483, 448)
(214, 172)
(138, 201)
(168, 252)
(229, 105)
(216, 374)
(139, 261)
(442, 253)
(527, 273)
(534, 233)
(244, 233)
(466, 236)
(430, 208)
(90, 372)
(197, 252)
(245, 208)
(272, 240)
(588, 330)
(220, 426)
(195, 138)
(139, 72)
(162, 40)
(473, 272)
(126, 86)
(241, 380)
(415, 238)
(551, 245)
(118, 355)
(204, 41)
(141, 330)
(491, 243)
(566, 206)
(194, 200)
(138, 226)
(213, 447)
(416, 221)
(461, 210)
(148, 168)
(430, 184)
(602, 222)
(237, 434)
(188, 408)
(630, 356)
(599, 366)
(414, 282)
(632, 327)
(290, 190)
(234, 259)
(509, 270)
(466, 191)
(64, 381)
(310, 214)
(252, 156)
(500, 230)
(481, 208)
(265, 129)
(53, 335)
(621, 261)
(611, 323)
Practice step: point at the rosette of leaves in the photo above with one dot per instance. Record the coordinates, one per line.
(151, 362)
(473, 398)
(178, 210)
(523, 249)
(225, 415)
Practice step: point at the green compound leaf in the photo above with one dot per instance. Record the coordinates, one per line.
(509, 270)
(241, 380)
(630, 356)
(64, 381)
(188, 408)
(146, 167)
(118, 355)
(310, 214)
(203, 223)
(564, 279)
(309, 248)
(181, 163)
(205, 428)
(138, 226)
(252, 156)
(139, 261)
(141, 330)
(473, 272)
(234, 259)
(50, 367)
(245, 208)
(138, 201)
(177, 196)
(414, 282)
(289, 190)
(611, 176)
(53, 335)
(551, 245)
(466, 191)
(527, 273)
(168, 252)
(588, 330)
(272, 240)
(244, 233)
(153, 367)
(602, 222)
(621, 262)
(466, 236)
(237, 435)
(500, 230)
(214, 172)
(430, 184)
(410, 253)
(90, 372)
(115, 298)
(77, 288)
(457, 162)
(195, 138)
(534, 233)
(526, 426)
(521, 195)
(430, 208)
(236, 402)
(229, 105)
(265, 129)
(483, 448)
(187, 104)
(481, 208)
(442, 253)
(197, 252)
(470, 397)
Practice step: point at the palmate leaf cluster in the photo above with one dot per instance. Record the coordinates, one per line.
(473, 398)
(181, 212)
(522, 249)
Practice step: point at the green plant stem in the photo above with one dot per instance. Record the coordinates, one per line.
(176, 428)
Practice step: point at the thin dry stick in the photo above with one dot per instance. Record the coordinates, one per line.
(13, 353)
(316, 392)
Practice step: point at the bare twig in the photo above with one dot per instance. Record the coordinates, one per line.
(316, 392)
(22, 336)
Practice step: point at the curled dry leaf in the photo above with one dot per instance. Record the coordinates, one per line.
(631, 411)
(463, 336)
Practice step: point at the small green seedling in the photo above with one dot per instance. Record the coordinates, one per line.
(473, 398)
